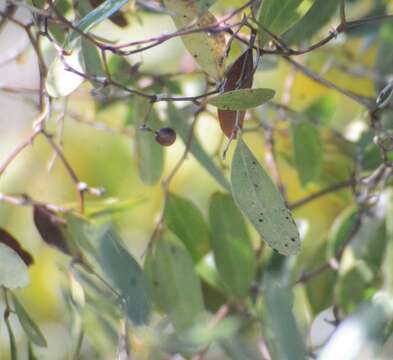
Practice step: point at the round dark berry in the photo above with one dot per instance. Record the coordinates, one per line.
(166, 136)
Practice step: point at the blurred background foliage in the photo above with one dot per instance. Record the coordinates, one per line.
(321, 139)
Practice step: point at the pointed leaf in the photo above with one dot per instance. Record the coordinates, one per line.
(179, 119)
(242, 99)
(60, 81)
(259, 199)
(233, 252)
(125, 274)
(307, 150)
(29, 326)
(7, 239)
(206, 48)
(175, 286)
(186, 221)
(13, 271)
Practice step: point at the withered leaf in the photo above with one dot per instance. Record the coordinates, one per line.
(117, 18)
(7, 239)
(239, 76)
(51, 228)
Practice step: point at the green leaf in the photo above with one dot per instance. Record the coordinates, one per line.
(258, 198)
(277, 16)
(241, 99)
(180, 121)
(125, 274)
(61, 82)
(206, 48)
(316, 17)
(175, 286)
(149, 154)
(29, 326)
(286, 335)
(13, 347)
(185, 220)
(232, 248)
(13, 271)
(385, 95)
(92, 62)
(323, 109)
(92, 19)
(307, 150)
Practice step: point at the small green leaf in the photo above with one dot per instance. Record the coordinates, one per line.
(186, 221)
(180, 121)
(258, 198)
(92, 19)
(29, 326)
(308, 151)
(175, 286)
(241, 99)
(316, 17)
(232, 248)
(385, 95)
(13, 271)
(125, 274)
(60, 81)
(277, 16)
(149, 154)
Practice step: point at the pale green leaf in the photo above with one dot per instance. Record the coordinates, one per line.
(60, 81)
(13, 271)
(241, 99)
(124, 273)
(258, 198)
(175, 286)
(180, 121)
(29, 326)
(185, 220)
(308, 151)
(232, 248)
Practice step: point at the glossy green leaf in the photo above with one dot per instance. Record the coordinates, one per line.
(124, 273)
(92, 19)
(180, 121)
(308, 151)
(149, 154)
(286, 335)
(175, 286)
(316, 17)
(13, 271)
(277, 16)
(258, 198)
(232, 248)
(29, 326)
(186, 221)
(206, 48)
(241, 99)
(60, 81)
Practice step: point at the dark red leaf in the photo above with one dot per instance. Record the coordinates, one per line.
(239, 76)
(7, 239)
(51, 228)
(117, 18)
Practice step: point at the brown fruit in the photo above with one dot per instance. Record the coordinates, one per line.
(240, 73)
(166, 136)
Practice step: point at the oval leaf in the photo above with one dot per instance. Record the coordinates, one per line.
(242, 99)
(258, 198)
(233, 252)
(186, 221)
(29, 326)
(7, 239)
(180, 120)
(308, 151)
(239, 76)
(175, 286)
(13, 271)
(125, 274)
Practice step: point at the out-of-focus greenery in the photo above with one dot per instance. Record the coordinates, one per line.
(171, 260)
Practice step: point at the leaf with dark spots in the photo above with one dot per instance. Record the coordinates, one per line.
(239, 76)
(50, 227)
(7, 239)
